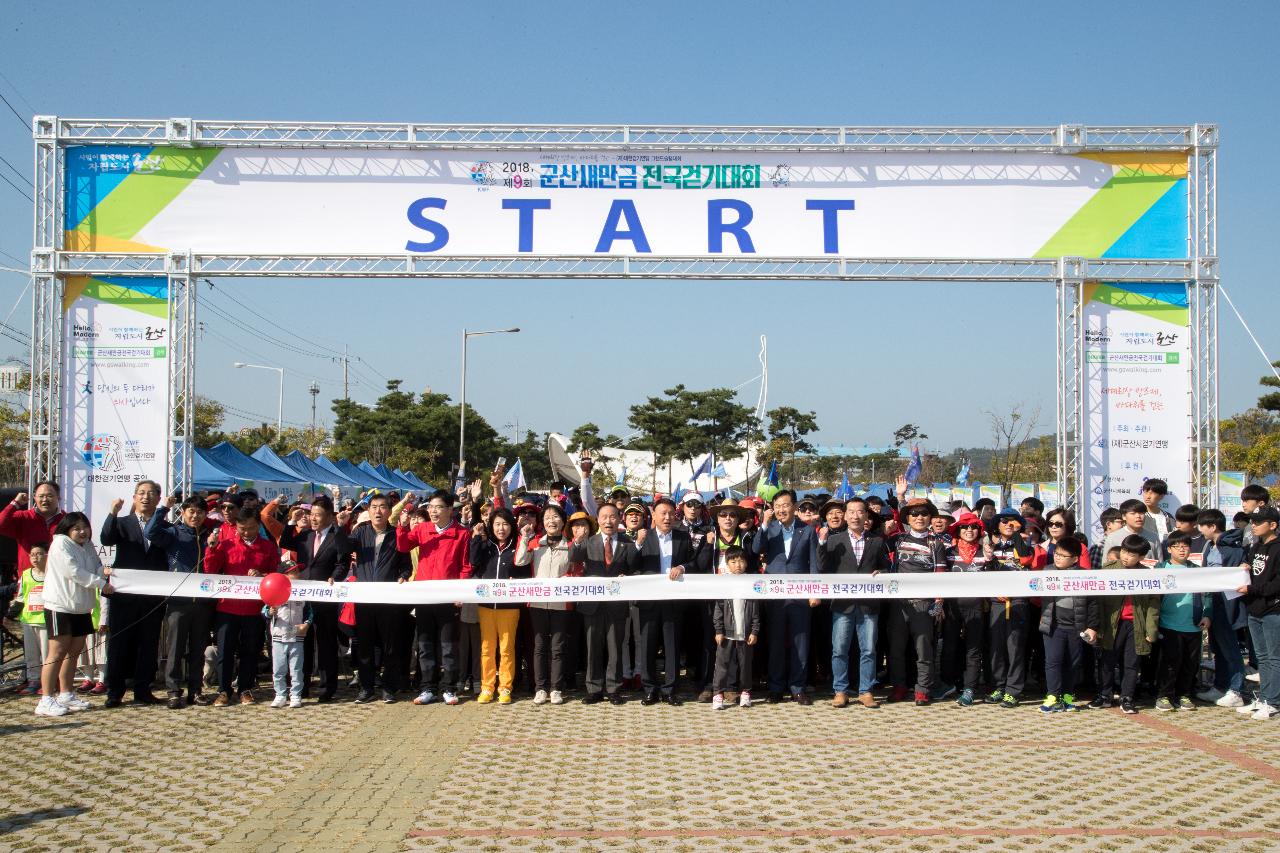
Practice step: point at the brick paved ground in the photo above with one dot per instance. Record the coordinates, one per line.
(345, 777)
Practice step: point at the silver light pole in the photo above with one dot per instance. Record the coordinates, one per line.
(280, 399)
(462, 407)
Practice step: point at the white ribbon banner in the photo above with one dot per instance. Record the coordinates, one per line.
(1000, 584)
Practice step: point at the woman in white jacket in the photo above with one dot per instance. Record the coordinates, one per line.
(72, 574)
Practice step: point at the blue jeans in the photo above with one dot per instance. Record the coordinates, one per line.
(843, 628)
(286, 663)
(1265, 631)
(1228, 663)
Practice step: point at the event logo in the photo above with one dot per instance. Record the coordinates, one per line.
(615, 588)
(1033, 584)
(101, 452)
(1170, 582)
(341, 591)
(1097, 336)
(484, 173)
(85, 331)
(482, 590)
(781, 175)
(206, 585)
(758, 587)
(893, 587)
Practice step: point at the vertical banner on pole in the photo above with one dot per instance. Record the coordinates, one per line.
(1019, 492)
(115, 390)
(1137, 392)
(1230, 484)
(1049, 495)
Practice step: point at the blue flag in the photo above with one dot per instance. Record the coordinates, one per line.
(845, 491)
(515, 478)
(622, 478)
(913, 470)
(678, 493)
(773, 473)
(719, 471)
(962, 479)
(704, 468)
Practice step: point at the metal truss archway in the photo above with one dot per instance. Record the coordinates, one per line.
(51, 264)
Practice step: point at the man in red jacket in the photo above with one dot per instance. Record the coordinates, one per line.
(442, 547)
(31, 527)
(238, 621)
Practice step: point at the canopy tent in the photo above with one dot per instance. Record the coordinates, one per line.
(418, 482)
(268, 457)
(379, 480)
(351, 472)
(212, 472)
(392, 477)
(297, 461)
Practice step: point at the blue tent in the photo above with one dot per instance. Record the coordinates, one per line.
(382, 482)
(391, 477)
(268, 457)
(345, 469)
(229, 458)
(297, 461)
(418, 482)
(206, 476)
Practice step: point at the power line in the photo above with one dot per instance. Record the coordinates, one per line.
(18, 92)
(26, 123)
(20, 190)
(14, 258)
(14, 168)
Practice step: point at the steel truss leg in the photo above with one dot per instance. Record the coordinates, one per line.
(1070, 403)
(46, 379)
(182, 400)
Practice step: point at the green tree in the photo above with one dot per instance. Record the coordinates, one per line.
(663, 426)
(1249, 443)
(586, 437)
(1270, 402)
(788, 427)
(532, 453)
(207, 423)
(418, 433)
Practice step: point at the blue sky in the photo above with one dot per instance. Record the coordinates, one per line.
(590, 349)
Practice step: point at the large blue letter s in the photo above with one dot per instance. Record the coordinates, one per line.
(439, 234)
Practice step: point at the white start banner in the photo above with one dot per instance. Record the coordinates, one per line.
(115, 391)
(1006, 584)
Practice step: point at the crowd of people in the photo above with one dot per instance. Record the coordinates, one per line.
(1172, 652)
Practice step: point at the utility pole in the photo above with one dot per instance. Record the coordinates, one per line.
(346, 362)
(314, 391)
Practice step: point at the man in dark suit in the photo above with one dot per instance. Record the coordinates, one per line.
(787, 546)
(664, 550)
(851, 547)
(324, 552)
(133, 632)
(607, 554)
(379, 626)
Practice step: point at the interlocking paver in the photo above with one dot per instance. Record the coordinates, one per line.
(527, 778)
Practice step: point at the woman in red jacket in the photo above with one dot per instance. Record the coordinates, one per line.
(238, 621)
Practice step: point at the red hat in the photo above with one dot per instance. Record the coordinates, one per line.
(964, 519)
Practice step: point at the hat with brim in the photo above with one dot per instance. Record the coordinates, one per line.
(582, 516)
(619, 490)
(742, 513)
(829, 505)
(963, 520)
(635, 506)
(1011, 515)
(915, 504)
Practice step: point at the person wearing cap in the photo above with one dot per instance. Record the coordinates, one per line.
(1262, 600)
(1008, 618)
(787, 547)
(851, 547)
(663, 550)
(603, 552)
(911, 620)
(807, 512)
(619, 497)
(549, 555)
(965, 624)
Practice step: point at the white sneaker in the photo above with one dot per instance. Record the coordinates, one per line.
(50, 707)
(717, 702)
(1213, 694)
(557, 698)
(279, 702)
(1251, 707)
(295, 702)
(1254, 677)
(744, 699)
(72, 702)
(426, 697)
(1265, 712)
(450, 698)
(540, 698)
(1230, 699)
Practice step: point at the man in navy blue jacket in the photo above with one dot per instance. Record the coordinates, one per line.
(787, 546)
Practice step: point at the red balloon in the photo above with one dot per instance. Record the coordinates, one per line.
(275, 589)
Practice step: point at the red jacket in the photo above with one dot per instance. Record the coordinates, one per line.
(442, 555)
(234, 557)
(28, 528)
